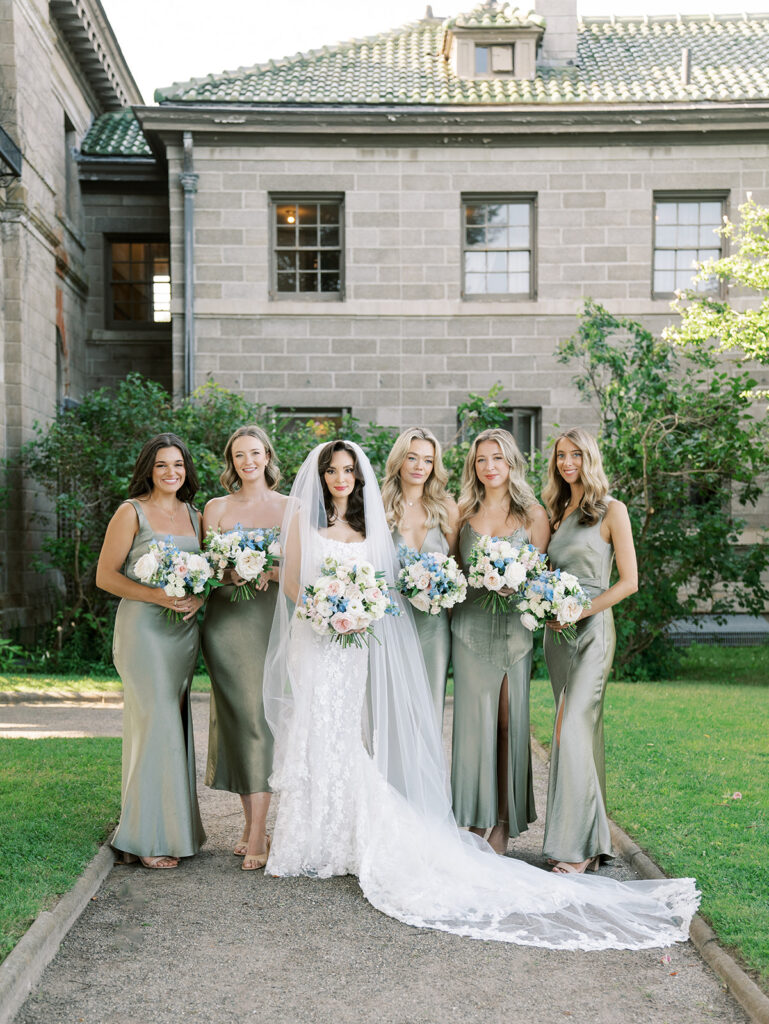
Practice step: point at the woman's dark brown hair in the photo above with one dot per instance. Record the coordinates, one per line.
(141, 481)
(355, 514)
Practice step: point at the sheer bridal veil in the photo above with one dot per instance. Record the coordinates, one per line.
(415, 864)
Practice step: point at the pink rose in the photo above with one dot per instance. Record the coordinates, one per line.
(373, 594)
(342, 622)
(334, 588)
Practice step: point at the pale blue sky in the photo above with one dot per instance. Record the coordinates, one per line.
(166, 41)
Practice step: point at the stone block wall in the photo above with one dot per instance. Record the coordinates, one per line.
(403, 347)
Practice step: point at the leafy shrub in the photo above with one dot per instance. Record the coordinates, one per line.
(683, 452)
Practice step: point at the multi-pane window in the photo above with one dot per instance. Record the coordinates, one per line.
(492, 60)
(307, 247)
(139, 282)
(327, 421)
(522, 422)
(685, 234)
(498, 247)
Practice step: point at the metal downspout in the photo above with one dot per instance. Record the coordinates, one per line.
(189, 183)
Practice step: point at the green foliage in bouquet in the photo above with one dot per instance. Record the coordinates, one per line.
(682, 450)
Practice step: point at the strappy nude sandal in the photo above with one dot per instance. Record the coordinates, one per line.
(564, 868)
(255, 861)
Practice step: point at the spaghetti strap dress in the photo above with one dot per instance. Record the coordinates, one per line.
(235, 638)
(156, 659)
(433, 631)
(577, 827)
(486, 647)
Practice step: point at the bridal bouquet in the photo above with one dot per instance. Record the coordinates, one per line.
(178, 572)
(431, 581)
(349, 595)
(251, 553)
(553, 596)
(495, 563)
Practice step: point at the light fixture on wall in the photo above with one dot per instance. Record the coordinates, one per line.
(291, 219)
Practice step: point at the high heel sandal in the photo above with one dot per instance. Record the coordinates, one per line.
(505, 824)
(255, 861)
(564, 868)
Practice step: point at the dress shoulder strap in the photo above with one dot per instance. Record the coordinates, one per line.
(194, 519)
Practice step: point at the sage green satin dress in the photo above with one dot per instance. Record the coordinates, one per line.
(156, 659)
(577, 827)
(235, 637)
(434, 631)
(486, 648)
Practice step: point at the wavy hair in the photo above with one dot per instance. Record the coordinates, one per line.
(556, 493)
(434, 495)
(141, 478)
(229, 479)
(522, 497)
(356, 516)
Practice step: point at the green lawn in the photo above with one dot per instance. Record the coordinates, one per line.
(75, 685)
(688, 779)
(59, 798)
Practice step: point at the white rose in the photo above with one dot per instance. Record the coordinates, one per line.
(249, 564)
(528, 620)
(146, 567)
(421, 601)
(199, 564)
(515, 574)
(568, 581)
(492, 580)
(506, 549)
(569, 610)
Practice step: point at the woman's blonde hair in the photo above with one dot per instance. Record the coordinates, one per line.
(229, 479)
(435, 497)
(522, 497)
(556, 493)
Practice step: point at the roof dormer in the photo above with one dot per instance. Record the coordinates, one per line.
(494, 40)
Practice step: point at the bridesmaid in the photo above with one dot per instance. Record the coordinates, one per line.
(491, 779)
(156, 659)
(589, 530)
(423, 515)
(235, 636)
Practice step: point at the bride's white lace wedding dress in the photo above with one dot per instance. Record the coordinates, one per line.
(346, 809)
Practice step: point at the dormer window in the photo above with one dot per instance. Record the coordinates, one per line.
(492, 61)
(494, 40)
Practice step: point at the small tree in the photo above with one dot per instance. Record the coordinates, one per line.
(682, 450)
(705, 318)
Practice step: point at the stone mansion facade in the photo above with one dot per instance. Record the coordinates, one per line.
(381, 225)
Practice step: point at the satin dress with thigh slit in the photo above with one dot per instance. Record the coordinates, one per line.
(577, 827)
(486, 647)
(156, 660)
(433, 631)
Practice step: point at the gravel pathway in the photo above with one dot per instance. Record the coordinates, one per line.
(210, 943)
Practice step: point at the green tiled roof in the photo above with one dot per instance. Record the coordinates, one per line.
(487, 16)
(619, 60)
(115, 135)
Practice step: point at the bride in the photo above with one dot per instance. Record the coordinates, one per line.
(360, 770)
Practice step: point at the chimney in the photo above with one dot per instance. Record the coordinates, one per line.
(559, 45)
